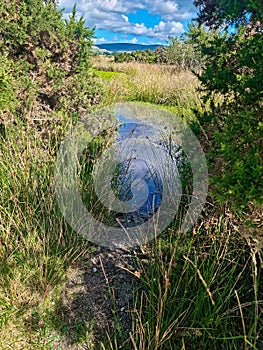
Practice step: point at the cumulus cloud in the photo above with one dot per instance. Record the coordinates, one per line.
(112, 15)
(159, 31)
(134, 40)
(126, 18)
(171, 27)
(167, 9)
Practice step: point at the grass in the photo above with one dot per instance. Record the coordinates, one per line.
(200, 290)
(163, 85)
(106, 76)
(37, 245)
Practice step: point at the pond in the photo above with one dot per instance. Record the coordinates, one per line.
(153, 166)
(147, 159)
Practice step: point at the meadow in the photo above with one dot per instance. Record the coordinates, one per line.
(159, 84)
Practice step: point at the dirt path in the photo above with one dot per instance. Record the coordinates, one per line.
(98, 298)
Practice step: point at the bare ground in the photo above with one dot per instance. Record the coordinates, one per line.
(98, 297)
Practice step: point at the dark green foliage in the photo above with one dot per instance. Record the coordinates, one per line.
(45, 69)
(143, 56)
(214, 13)
(233, 80)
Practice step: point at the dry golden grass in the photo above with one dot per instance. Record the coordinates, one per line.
(154, 83)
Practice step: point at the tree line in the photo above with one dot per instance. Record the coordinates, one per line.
(180, 52)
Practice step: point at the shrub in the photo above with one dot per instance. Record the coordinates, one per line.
(45, 63)
(233, 70)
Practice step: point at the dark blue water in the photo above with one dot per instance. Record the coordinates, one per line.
(132, 169)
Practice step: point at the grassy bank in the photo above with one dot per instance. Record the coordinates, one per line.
(36, 243)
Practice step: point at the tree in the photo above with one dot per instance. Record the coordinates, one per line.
(183, 51)
(233, 81)
(215, 13)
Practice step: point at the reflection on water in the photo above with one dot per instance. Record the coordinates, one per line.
(132, 169)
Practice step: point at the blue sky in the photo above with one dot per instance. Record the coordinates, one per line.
(141, 22)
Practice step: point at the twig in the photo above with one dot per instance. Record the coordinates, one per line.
(242, 319)
(202, 280)
(103, 270)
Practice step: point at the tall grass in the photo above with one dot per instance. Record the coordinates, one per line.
(36, 243)
(157, 84)
(201, 292)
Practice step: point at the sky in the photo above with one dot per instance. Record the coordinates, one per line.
(133, 21)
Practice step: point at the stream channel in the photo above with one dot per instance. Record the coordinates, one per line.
(146, 171)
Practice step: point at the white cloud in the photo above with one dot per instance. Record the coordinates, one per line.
(169, 27)
(126, 18)
(100, 40)
(159, 31)
(112, 15)
(167, 9)
(139, 29)
(134, 40)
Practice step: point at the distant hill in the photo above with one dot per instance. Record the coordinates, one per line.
(126, 47)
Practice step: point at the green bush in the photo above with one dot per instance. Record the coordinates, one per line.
(233, 75)
(45, 68)
(46, 84)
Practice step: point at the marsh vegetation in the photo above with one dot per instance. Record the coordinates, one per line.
(198, 290)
